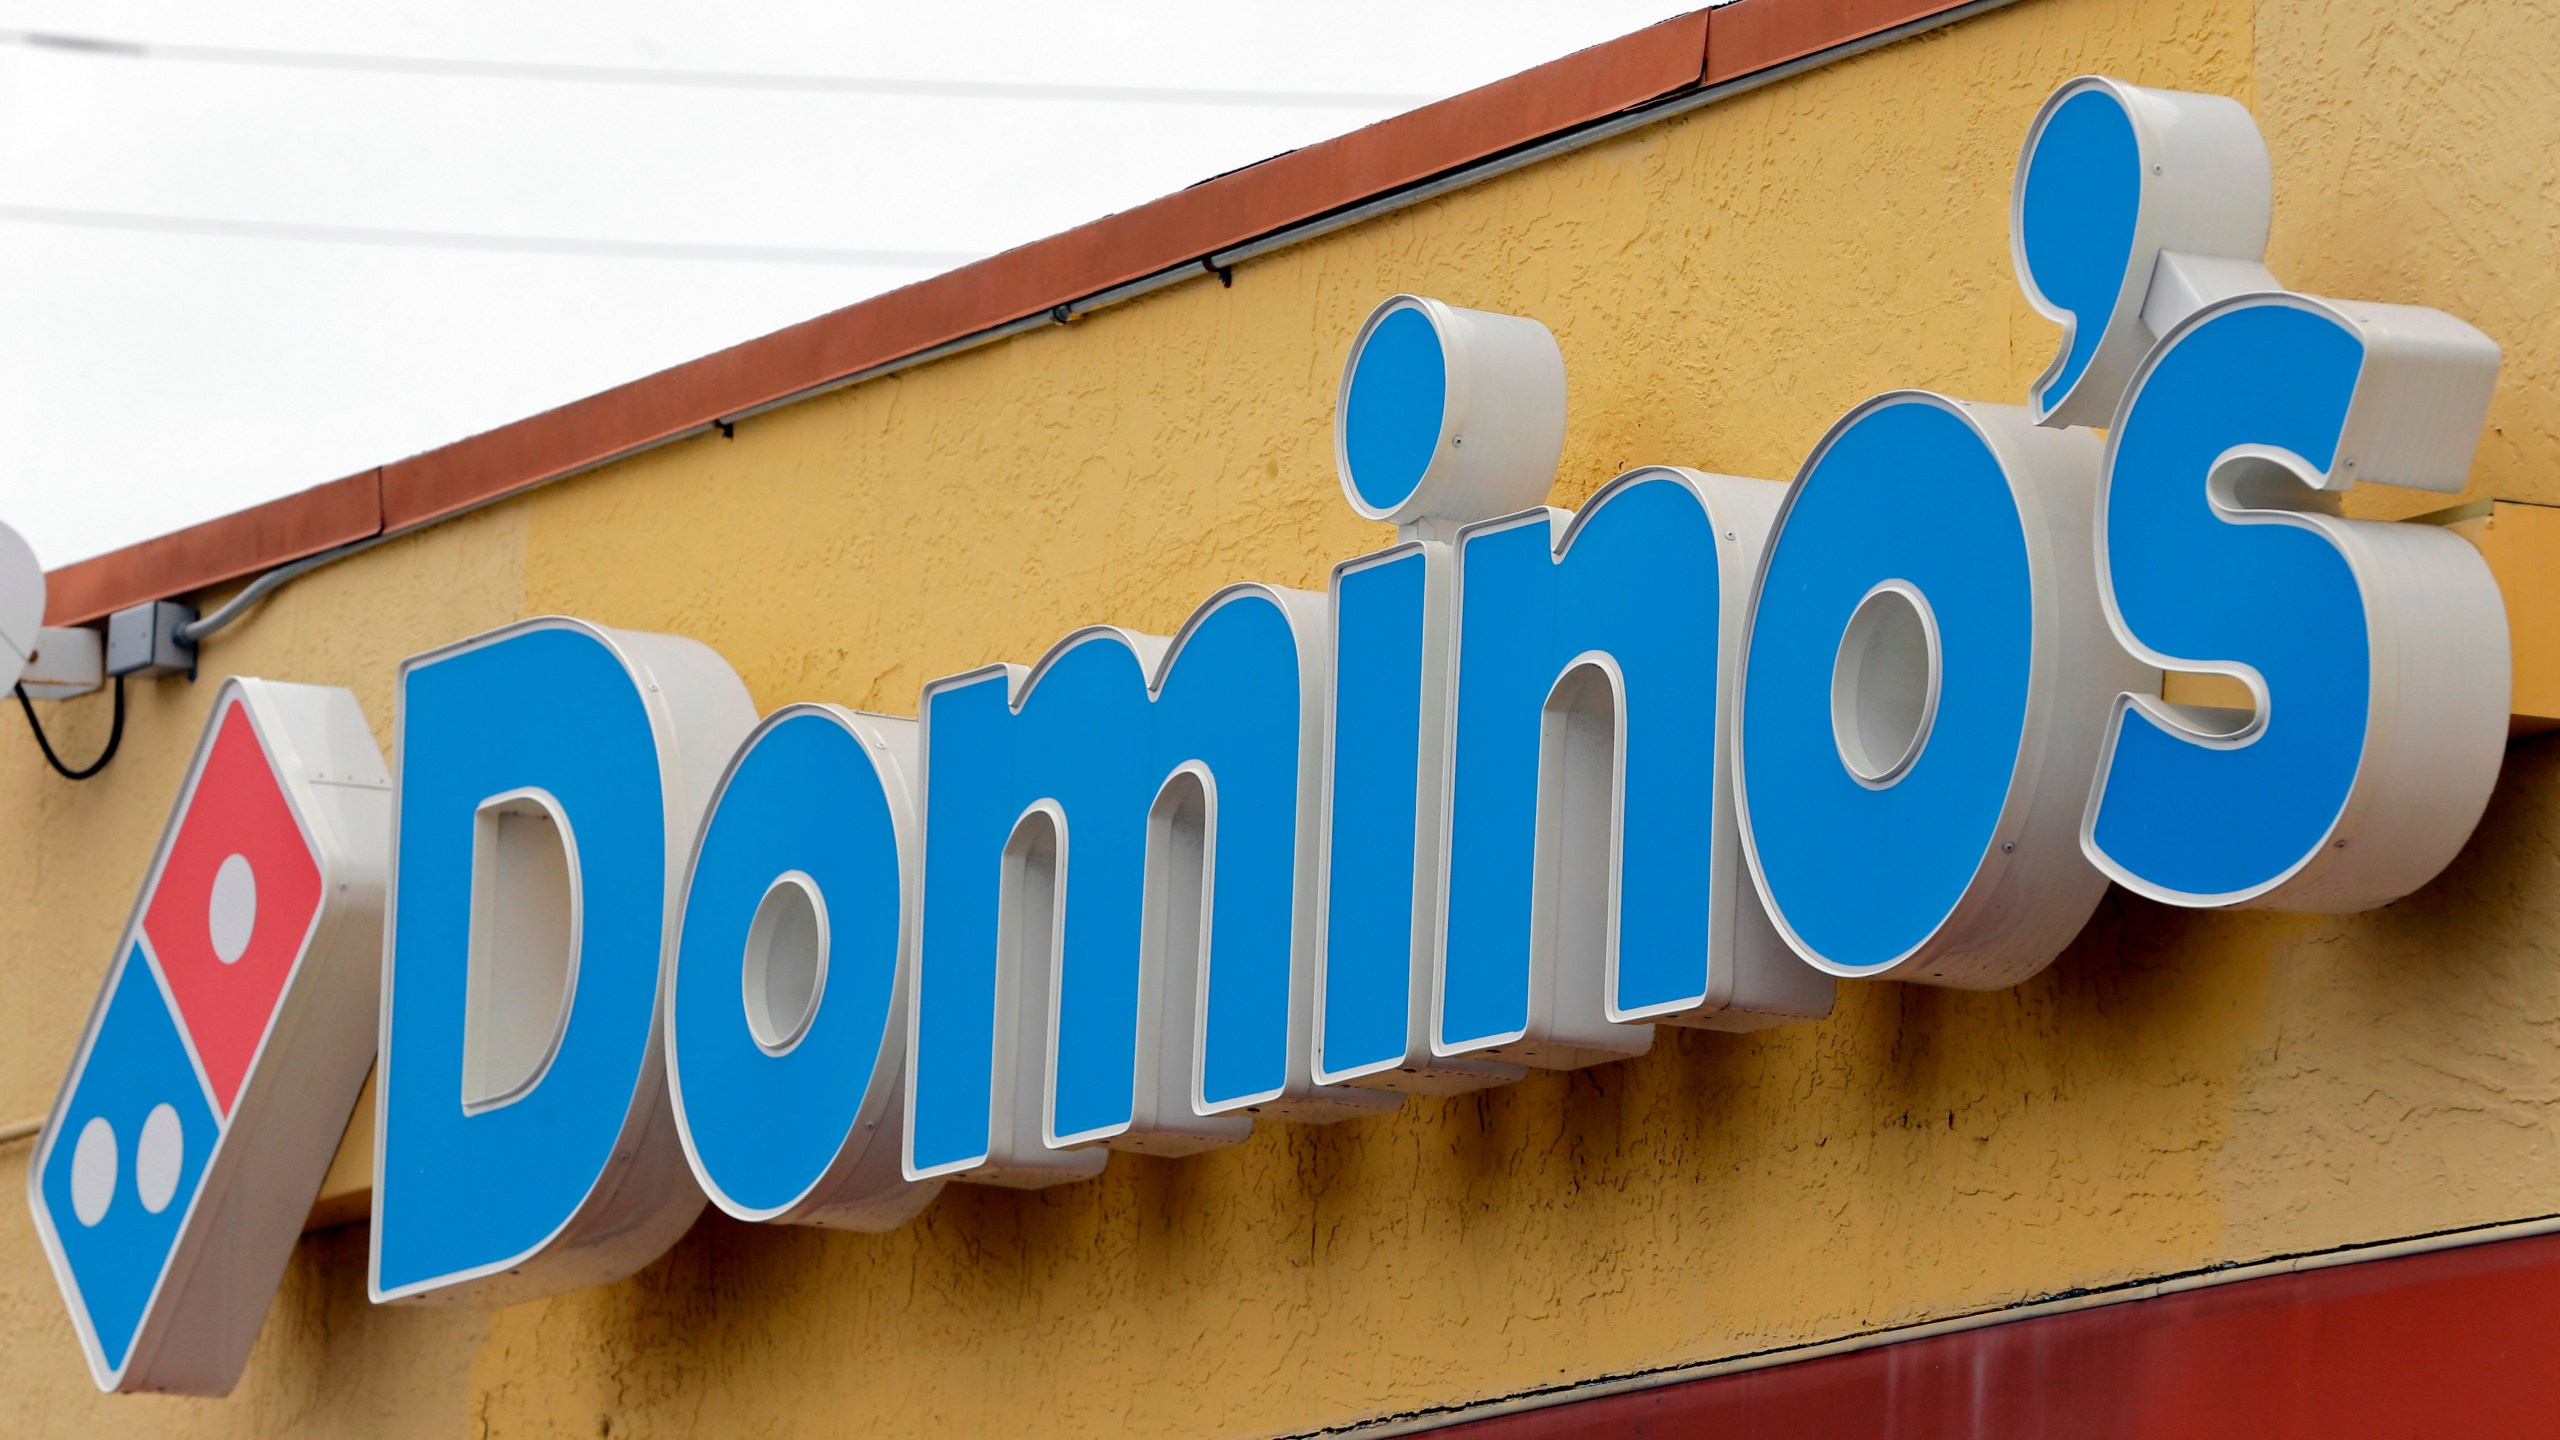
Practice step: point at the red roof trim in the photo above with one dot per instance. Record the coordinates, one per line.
(2448, 1342)
(225, 548)
(1182, 228)
(1762, 34)
(1703, 47)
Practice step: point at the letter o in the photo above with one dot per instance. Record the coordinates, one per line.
(1923, 686)
(786, 1019)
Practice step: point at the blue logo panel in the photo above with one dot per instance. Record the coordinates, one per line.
(127, 1157)
(1906, 491)
(803, 797)
(553, 708)
(2199, 815)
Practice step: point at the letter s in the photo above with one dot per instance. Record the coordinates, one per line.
(2376, 654)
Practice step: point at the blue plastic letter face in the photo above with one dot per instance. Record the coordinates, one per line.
(2375, 653)
(1446, 416)
(1231, 873)
(547, 795)
(786, 1020)
(1926, 611)
(1386, 828)
(2365, 753)
(2079, 185)
(1368, 1025)
(2132, 208)
(1118, 891)
(1394, 403)
(1593, 879)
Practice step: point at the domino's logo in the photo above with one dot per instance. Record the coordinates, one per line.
(226, 1047)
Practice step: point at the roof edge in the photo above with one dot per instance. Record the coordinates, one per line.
(1685, 53)
(226, 547)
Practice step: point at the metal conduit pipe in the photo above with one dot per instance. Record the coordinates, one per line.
(256, 590)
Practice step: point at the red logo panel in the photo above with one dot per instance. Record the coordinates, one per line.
(232, 904)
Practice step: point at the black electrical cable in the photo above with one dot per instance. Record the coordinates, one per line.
(115, 736)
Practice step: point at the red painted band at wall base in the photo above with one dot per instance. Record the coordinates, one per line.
(2448, 1345)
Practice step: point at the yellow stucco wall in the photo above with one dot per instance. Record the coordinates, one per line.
(2178, 1090)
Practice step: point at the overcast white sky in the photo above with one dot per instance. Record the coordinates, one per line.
(150, 380)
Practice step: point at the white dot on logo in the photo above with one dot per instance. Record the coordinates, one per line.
(93, 1170)
(233, 912)
(158, 1156)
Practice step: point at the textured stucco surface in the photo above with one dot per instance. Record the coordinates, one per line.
(2179, 1090)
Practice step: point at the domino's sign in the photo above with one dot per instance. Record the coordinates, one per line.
(225, 1051)
(1506, 794)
